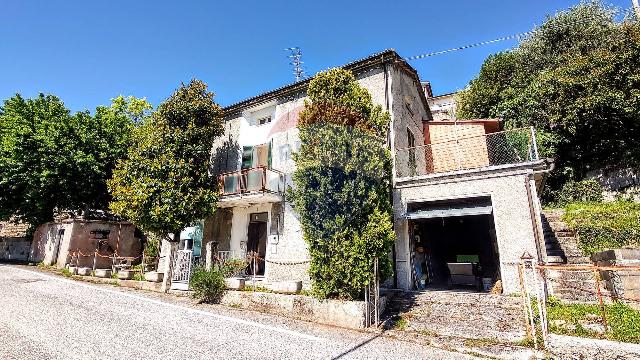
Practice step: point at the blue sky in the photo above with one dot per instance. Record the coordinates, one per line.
(87, 52)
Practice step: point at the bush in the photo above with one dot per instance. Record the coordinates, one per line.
(233, 267)
(342, 186)
(207, 285)
(602, 226)
(580, 191)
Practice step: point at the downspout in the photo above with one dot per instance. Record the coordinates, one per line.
(389, 144)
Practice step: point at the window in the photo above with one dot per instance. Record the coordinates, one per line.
(263, 120)
(411, 142)
(256, 156)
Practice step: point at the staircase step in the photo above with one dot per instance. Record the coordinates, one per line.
(554, 259)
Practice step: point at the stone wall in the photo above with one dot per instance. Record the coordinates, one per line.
(615, 182)
(14, 244)
(621, 284)
(348, 314)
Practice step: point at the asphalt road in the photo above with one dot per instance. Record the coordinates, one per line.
(44, 316)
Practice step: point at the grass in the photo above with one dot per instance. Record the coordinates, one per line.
(482, 342)
(257, 288)
(401, 324)
(66, 273)
(138, 277)
(623, 321)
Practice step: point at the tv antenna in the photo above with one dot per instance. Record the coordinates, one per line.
(296, 62)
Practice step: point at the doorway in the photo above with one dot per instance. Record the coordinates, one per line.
(454, 245)
(257, 242)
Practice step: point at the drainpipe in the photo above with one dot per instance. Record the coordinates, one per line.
(391, 147)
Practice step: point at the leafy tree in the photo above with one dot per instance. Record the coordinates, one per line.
(342, 181)
(52, 160)
(576, 79)
(163, 185)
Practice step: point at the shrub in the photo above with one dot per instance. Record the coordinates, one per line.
(66, 272)
(207, 285)
(233, 267)
(342, 193)
(152, 245)
(580, 191)
(602, 226)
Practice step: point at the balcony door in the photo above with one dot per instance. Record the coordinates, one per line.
(257, 241)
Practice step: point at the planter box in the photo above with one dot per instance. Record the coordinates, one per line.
(125, 274)
(84, 271)
(234, 283)
(153, 276)
(73, 270)
(103, 273)
(287, 287)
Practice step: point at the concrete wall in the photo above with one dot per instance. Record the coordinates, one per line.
(52, 249)
(512, 213)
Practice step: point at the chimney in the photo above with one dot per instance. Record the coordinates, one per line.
(426, 86)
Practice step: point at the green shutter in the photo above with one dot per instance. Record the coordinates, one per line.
(247, 157)
(269, 154)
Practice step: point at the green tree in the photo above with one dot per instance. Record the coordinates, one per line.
(342, 181)
(164, 185)
(52, 160)
(576, 79)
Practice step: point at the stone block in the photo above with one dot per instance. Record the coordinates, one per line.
(125, 274)
(102, 273)
(84, 271)
(286, 287)
(234, 283)
(154, 276)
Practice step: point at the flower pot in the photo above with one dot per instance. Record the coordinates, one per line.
(153, 276)
(234, 283)
(102, 273)
(84, 271)
(287, 287)
(125, 274)
(73, 270)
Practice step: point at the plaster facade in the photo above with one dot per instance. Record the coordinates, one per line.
(515, 222)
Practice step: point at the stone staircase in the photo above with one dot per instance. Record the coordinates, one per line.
(460, 314)
(562, 248)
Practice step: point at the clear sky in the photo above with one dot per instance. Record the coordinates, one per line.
(87, 52)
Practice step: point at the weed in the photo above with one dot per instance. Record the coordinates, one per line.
(65, 272)
(401, 324)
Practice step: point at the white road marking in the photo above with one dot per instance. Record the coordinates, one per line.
(183, 308)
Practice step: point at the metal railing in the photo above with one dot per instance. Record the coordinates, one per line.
(254, 180)
(470, 152)
(223, 256)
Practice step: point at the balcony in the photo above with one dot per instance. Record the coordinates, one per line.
(251, 186)
(480, 152)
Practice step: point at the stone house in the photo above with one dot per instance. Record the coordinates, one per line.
(462, 191)
(14, 242)
(55, 243)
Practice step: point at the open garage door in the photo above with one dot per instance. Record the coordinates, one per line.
(453, 244)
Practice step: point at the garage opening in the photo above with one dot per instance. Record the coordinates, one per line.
(454, 244)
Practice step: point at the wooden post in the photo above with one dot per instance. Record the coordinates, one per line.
(523, 296)
(596, 276)
(168, 271)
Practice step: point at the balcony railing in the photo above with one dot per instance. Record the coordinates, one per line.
(465, 153)
(251, 181)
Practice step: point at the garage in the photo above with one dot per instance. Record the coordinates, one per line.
(453, 244)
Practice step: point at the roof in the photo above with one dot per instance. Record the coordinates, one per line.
(441, 95)
(377, 59)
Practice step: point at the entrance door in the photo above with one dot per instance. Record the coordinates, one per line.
(257, 242)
